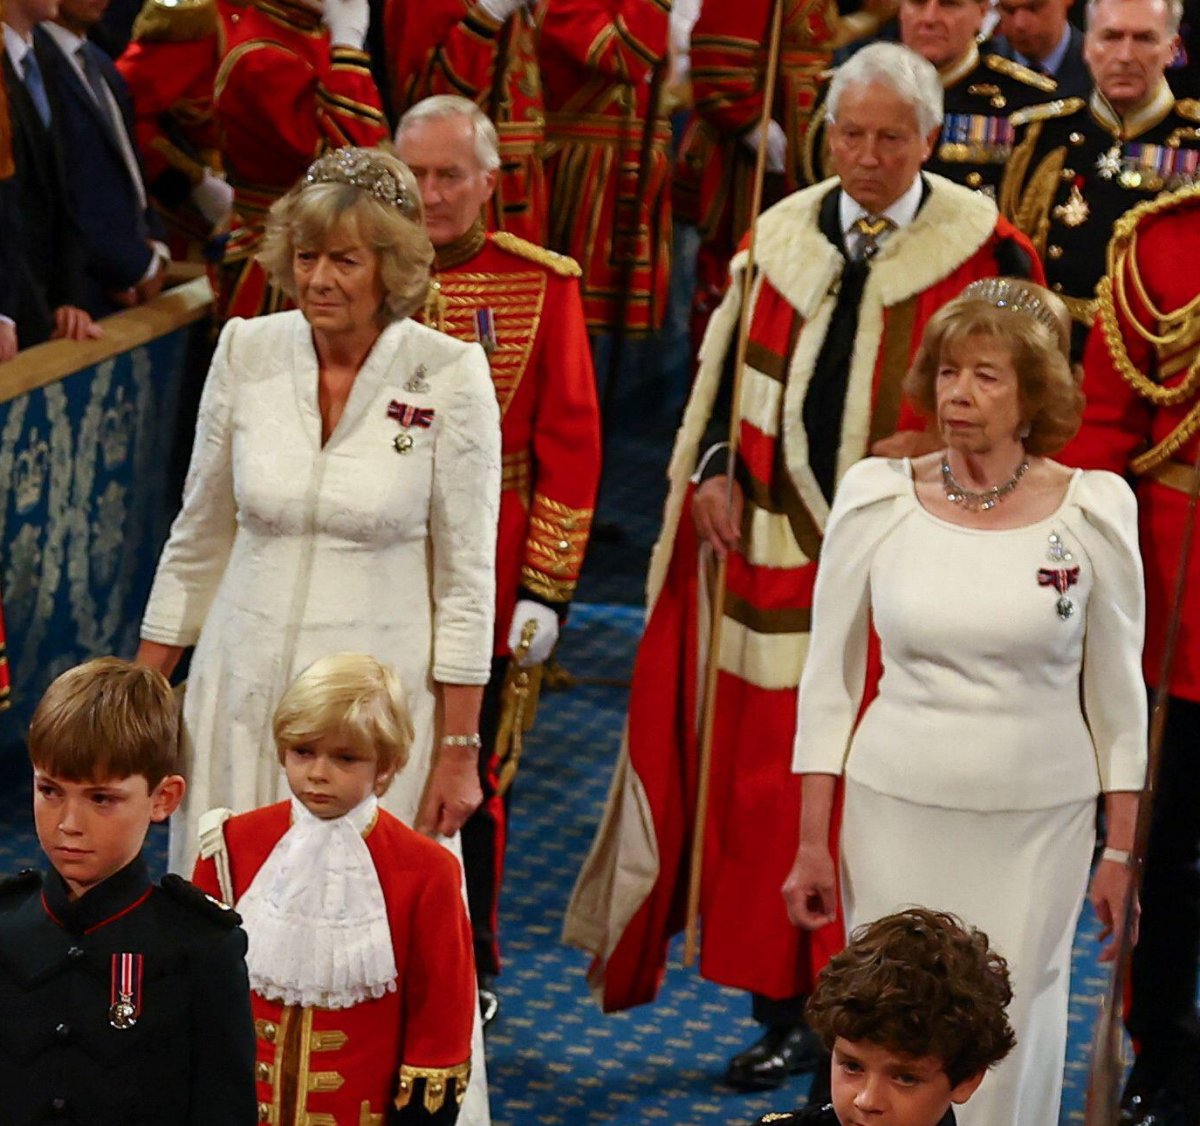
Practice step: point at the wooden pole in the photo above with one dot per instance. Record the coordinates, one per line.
(1107, 1070)
(699, 823)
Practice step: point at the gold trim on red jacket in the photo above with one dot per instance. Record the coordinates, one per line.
(437, 1081)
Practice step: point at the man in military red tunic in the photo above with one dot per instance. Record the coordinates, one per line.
(1140, 378)
(522, 304)
(603, 65)
(293, 82)
(848, 273)
(484, 49)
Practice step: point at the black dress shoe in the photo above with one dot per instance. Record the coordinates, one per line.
(489, 1002)
(778, 1053)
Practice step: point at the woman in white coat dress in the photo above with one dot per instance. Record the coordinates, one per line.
(343, 495)
(1006, 592)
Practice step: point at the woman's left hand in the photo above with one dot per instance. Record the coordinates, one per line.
(1110, 887)
(453, 793)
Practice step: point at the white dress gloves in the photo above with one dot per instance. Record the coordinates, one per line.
(347, 21)
(776, 145)
(500, 10)
(213, 198)
(544, 636)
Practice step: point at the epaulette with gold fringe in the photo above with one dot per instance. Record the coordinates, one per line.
(175, 21)
(1013, 69)
(1189, 108)
(1060, 107)
(1167, 327)
(561, 264)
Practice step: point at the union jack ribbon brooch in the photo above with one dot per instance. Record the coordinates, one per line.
(126, 991)
(408, 417)
(1061, 579)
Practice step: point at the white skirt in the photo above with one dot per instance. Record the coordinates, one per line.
(1018, 875)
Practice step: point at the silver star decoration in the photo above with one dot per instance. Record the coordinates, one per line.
(1108, 164)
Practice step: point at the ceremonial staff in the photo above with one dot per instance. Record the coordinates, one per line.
(712, 667)
(1107, 1071)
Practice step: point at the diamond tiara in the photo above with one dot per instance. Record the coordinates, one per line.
(361, 169)
(1005, 293)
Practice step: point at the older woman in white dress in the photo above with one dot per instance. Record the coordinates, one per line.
(342, 495)
(1006, 592)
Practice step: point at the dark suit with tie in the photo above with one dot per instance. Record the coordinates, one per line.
(1073, 77)
(46, 255)
(116, 225)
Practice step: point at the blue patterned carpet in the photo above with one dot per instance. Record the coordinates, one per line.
(553, 1057)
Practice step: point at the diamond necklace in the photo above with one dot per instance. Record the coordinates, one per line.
(982, 501)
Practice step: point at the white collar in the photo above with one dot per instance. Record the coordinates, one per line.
(67, 41)
(902, 211)
(17, 47)
(316, 918)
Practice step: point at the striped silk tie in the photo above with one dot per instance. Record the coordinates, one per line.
(868, 229)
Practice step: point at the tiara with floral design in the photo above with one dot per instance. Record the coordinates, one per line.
(361, 169)
(1005, 293)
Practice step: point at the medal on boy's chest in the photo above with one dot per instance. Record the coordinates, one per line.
(126, 991)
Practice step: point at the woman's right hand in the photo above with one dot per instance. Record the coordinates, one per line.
(810, 890)
(155, 655)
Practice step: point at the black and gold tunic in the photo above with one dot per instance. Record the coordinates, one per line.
(1078, 167)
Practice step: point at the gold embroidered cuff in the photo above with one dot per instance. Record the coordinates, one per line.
(437, 1080)
(558, 536)
(545, 587)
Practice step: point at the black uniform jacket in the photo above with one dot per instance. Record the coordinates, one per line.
(68, 1054)
(1078, 167)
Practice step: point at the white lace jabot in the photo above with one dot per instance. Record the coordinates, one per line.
(315, 915)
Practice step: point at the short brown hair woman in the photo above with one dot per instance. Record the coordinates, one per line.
(1006, 591)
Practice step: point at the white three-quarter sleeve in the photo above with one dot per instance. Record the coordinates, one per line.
(835, 668)
(1114, 691)
(464, 510)
(197, 550)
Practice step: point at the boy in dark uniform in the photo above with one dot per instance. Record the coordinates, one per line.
(913, 1011)
(123, 1000)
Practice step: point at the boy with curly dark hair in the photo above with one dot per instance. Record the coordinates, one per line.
(913, 1012)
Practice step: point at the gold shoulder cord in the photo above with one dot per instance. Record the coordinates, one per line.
(1111, 295)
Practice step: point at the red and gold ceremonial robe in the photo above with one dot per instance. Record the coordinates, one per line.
(410, 1048)
(169, 66)
(454, 47)
(603, 65)
(628, 901)
(283, 96)
(1142, 415)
